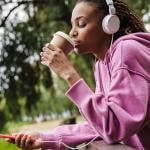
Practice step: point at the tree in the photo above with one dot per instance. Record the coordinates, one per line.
(140, 6)
(21, 72)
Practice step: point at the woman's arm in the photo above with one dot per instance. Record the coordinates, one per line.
(118, 115)
(58, 139)
(71, 135)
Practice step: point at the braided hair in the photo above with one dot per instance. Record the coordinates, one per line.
(129, 21)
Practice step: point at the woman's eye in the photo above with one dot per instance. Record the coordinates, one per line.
(81, 23)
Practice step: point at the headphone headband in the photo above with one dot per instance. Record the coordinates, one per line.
(109, 2)
(111, 22)
(112, 9)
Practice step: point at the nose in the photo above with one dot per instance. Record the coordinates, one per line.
(73, 33)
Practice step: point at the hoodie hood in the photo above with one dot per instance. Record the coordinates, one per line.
(135, 49)
(141, 37)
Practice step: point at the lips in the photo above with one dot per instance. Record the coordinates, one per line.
(76, 43)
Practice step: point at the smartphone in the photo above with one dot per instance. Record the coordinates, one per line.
(4, 136)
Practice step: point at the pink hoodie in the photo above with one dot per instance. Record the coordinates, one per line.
(119, 109)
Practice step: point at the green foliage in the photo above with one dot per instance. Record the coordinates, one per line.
(140, 6)
(25, 81)
(22, 43)
(2, 118)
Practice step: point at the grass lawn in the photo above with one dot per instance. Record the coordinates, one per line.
(7, 146)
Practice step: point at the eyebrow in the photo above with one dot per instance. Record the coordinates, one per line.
(76, 19)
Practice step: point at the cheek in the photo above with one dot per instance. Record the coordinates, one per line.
(93, 37)
(90, 37)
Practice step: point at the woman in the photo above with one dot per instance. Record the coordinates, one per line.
(118, 110)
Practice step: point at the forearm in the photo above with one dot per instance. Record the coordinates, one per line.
(72, 77)
(70, 135)
(111, 116)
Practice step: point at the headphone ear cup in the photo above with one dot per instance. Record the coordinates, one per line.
(111, 24)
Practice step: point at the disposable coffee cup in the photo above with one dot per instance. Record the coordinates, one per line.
(63, 41)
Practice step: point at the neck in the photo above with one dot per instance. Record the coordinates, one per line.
(103, 48)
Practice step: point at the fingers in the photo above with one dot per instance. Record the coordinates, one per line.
(51, 46)
(18, 139)
(47, 50)
(47, 55)
(50, 50)
(45, 58)
(51, 55)
(46, 44)
(28, 141)
(23, 141)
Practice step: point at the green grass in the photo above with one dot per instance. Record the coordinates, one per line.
(10, 127)
(7, 146)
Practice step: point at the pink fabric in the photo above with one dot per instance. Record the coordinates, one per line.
(119, 108)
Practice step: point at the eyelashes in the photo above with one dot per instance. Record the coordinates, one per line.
(81, 23)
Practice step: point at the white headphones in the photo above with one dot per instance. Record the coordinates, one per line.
(111, 22)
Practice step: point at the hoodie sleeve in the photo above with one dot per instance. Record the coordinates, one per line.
(121, 112)
(70, 135)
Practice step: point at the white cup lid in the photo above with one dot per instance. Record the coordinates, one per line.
(66, 36)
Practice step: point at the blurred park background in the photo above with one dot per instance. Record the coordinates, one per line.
(31, 96)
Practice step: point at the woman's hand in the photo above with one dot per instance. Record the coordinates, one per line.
(27, 141)
(56, 60)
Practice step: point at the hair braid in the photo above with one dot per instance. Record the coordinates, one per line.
(130, 22)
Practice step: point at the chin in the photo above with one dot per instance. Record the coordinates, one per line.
(79, 51)
(76, 50)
